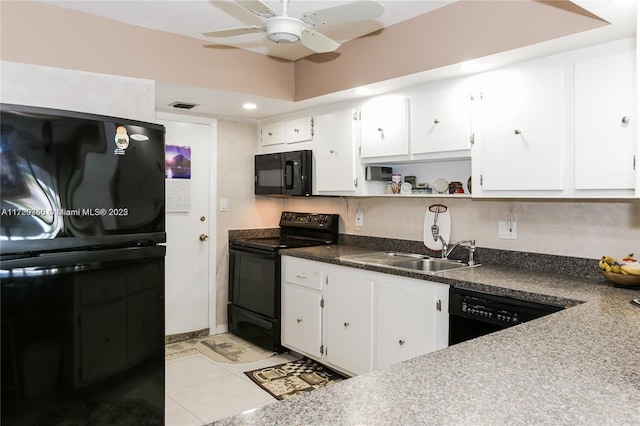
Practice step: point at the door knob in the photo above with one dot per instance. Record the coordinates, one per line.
(204, 237)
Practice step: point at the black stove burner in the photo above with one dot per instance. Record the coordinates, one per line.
(297, 230)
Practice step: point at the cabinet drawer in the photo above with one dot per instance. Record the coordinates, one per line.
(303, 272)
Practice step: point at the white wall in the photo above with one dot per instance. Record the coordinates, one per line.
(104, 94)
(237, 145)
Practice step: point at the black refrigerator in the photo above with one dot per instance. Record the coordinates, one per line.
(82, 228)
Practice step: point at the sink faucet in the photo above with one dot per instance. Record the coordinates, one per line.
(447, 249)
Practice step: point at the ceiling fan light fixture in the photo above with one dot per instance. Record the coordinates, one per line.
(283, 37)
(283, 29)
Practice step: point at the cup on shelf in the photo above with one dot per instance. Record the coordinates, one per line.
(396, 183)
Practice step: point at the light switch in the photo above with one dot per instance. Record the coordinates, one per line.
(224, 204)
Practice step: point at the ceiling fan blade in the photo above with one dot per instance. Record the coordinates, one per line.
(317, 42)
(358, 11)
(257, 8)
(229, 32)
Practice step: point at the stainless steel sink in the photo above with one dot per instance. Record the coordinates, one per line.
(406, 261)
(430, 265)
(381, 258)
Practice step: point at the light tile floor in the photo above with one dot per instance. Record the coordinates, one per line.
(199, 390)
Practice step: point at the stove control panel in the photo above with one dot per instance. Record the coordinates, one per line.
(309, 220)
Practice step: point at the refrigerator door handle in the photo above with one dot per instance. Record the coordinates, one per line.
(82, 259)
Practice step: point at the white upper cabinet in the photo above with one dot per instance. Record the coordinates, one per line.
(384, 127)
(287, 131)
(272, 133)
(523, 142)
(605, 122)
(298, 130)
(334, 152)
(441, 117)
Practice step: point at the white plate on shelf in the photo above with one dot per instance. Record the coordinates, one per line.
(441, 186)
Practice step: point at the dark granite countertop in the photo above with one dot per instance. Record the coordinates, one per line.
(577, 366)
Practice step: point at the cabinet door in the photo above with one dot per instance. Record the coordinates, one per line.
(334, 151)
(605, 122)
(441, 118)
(349, 322)
(302, 320)
(272, 133)
(406, 323)
(522, 133)
(384, 126)
(298, 130)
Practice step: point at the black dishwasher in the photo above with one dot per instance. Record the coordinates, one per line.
(473, 314)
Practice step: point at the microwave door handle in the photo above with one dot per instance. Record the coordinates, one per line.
(288, 174)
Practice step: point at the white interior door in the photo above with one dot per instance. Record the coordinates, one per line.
(190, 226)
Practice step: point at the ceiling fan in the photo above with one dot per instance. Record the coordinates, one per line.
(283, 29)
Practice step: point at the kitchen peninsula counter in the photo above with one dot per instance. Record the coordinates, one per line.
(577, 366)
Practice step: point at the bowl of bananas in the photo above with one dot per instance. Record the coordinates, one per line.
(623, 272)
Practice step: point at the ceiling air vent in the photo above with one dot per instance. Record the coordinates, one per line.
(182, 105)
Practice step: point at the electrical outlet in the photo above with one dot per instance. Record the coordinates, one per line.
(359, 219)
(507, 231)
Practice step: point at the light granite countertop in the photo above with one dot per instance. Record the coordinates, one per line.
(580, 366)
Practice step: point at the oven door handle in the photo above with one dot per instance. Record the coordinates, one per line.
(256, 252)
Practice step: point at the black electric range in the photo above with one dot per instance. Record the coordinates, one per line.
(254, 274)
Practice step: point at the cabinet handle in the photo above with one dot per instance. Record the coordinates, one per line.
(270, 134)
(625, 119)
(302, 277)
(299, 320)
(401, 342)
(436, 121)
(517, 132)
(346, 324)
(332, 152)
(296, 130)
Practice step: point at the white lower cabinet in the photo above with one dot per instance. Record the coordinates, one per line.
(302, 283)
(357, 320)
(412, 319)
(349, 320)
(302, 319)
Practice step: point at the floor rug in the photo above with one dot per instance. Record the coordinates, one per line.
(221, 347)
(286, 380)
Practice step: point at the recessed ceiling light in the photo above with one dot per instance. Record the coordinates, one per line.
(249, 106)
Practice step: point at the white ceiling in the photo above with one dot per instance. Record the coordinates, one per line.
(192, 17)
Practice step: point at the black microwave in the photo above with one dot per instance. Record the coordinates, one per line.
(283, 173)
